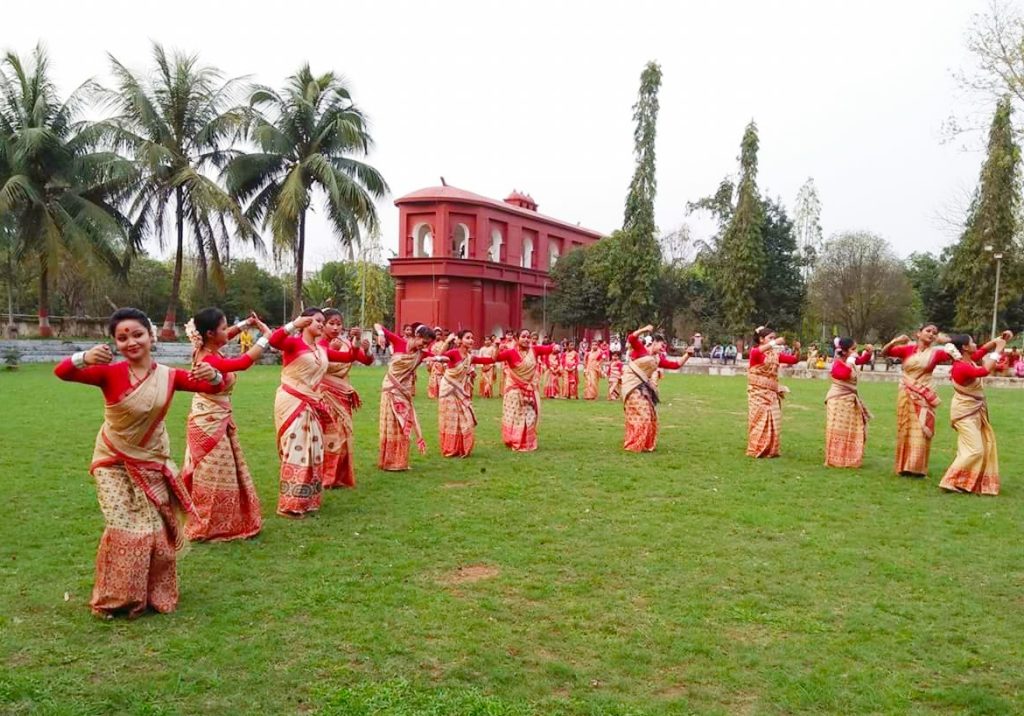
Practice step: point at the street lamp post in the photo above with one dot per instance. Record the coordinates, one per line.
(998, 256)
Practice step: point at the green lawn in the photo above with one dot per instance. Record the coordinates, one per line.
(690, 580)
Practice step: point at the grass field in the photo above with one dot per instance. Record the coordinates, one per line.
(575, 580)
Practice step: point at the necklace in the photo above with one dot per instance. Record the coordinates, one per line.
(135, 376)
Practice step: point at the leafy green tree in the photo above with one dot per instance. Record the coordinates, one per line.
(378, 304)
(860, 286)
(577, 299)
(341, 276)
(638, 263)
(178, 123)
(56, 190)
(740, 262)
(309, 136)
(991, 222)
(251, 288)
(927, 274)
(781, 293)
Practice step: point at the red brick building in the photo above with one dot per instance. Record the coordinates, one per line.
(468, 261)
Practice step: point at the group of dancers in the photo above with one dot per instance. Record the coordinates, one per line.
(975, 469)
(151, 509)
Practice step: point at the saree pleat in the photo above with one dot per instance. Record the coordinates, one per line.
(520, 409)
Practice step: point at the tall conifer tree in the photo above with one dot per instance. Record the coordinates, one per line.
(741, 258)
(632, 287)
(991, 221)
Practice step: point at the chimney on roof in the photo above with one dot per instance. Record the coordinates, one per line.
(523, 201)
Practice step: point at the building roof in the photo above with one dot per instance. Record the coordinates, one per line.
(454, 194)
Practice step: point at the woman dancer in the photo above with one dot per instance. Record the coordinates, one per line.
(300, 412)
(553, 387)
(976, 466)
(592, 372)
(139, 490)
(615, 370)
(489, 350)
(455, 416)
(917, 401)
(215, 472)
(436, 369)
(764, 396)
(398, 418)
(570, 373)
(520, 409)
(342, 400)
(846, 417)
(640, 396)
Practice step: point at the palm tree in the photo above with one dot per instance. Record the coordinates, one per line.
(307, 135)
(56, 193)
(178, 123)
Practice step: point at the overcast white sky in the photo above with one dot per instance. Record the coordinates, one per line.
(537, 95)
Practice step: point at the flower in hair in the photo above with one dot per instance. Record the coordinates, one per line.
(953, 351)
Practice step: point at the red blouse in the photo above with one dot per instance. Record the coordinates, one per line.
(964, 371)
(905, 351)
(757, 357)
(115, 379)
(455, 356)
(841, 371)
(640, 350)
(293, 346)
(514, 358)
(399, 344)
(357, 351)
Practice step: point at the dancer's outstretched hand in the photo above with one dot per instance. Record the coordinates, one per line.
(204, 372)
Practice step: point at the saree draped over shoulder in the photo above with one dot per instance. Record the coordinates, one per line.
(299, 416)
(216, 474)
(520, 409)
(142, 499)
(976, 465)
(342, 400)
(915, 414)
(764, 407)
(639, 396)
(455, 415)
(398, 418)
(846, 424)
(592, 373)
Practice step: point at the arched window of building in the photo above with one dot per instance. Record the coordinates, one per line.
(460, 242)
(494, 254)
(527, 252)
(422, 241)
(553, 254)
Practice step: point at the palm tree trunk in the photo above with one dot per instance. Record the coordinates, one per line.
(45, 331)
(300, 251)
(168, 332)
(10, 295)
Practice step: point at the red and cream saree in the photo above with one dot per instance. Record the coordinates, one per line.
(398, 418)
(487, 373)
(639, 395)
(764, 407)
(143, 500)
(846, 424)
(915, 414)
(976, 465)
(215, 472)
(455, 416)
(342, 400)
(299, 416)
(435, 370)
(520, 410)
(592, 374)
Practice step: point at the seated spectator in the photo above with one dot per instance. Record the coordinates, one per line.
(718, 353)
(730, 353)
